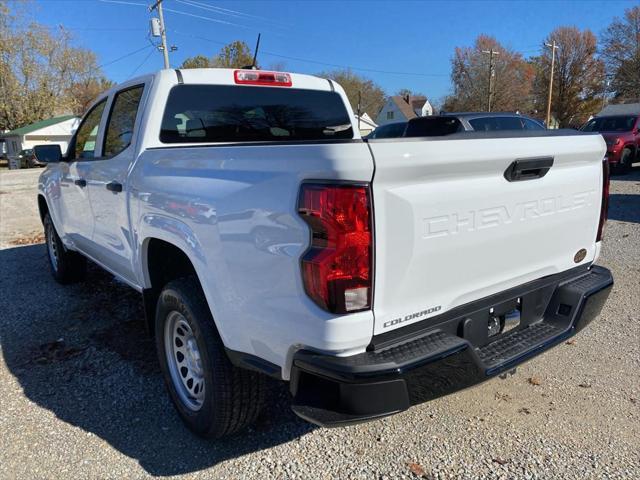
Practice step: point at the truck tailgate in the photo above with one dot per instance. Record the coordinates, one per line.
(450, 228)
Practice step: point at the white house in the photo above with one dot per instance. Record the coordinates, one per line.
(53, 130)
(400, 109)
(621, 109)
(365, 124)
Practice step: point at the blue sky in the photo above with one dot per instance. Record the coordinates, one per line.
(412, 42)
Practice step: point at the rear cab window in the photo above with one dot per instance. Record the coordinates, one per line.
(229, 114)
(490, 124)
(433, 127)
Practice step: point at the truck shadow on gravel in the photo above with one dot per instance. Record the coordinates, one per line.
(625, 207)
(82, 352)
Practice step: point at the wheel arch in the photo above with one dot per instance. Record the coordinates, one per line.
(162, 261)
(43, 207)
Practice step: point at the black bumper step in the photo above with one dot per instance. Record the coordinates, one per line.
(331, 391)
(517, 344)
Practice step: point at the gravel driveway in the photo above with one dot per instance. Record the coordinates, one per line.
(81, 395)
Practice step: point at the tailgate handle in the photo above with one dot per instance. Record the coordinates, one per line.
(528, 169)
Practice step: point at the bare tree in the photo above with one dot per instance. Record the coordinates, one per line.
(512, 80)
(357, 87)
(578, 76)
(39, 70)
(85, 91)
(237, 54)
(199, 61)
(621, 53)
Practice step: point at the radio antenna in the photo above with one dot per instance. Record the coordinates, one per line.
(255, 54)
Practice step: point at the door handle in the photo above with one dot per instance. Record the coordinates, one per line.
(528, 169)
(81, 182)
(114, 187)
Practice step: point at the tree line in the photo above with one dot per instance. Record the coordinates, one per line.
(43, 74)
(586, 75)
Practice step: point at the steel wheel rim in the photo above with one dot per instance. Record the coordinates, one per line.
(52, 247)
(184, 361)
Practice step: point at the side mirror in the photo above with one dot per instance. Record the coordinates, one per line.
(48, 153)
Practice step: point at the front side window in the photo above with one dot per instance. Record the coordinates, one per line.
(220, 113)
(121, 121)
(610, 124)
(85, 144)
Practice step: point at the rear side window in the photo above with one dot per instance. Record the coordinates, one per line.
(531, 125)
(221, 113)
(433, 127)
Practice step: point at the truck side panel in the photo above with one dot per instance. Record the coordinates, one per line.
(232, 209)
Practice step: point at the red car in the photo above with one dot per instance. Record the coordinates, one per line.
(622, 134)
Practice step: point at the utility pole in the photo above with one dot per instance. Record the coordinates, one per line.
(491, 53)
(359, 106)
(163, 31)
(553, 48)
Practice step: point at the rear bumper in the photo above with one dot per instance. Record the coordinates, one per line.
(436, 361)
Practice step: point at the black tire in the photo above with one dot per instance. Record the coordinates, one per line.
(233, 397)
(624, 166)
(66, 266)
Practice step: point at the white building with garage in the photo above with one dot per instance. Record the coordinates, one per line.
(52, 130)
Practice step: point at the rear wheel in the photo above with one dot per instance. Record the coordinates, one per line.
(66, 266)
(213, 397)
(626, 159)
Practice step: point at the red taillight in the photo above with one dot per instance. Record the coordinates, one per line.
(258, 77)
(337, 267)
(604, 206)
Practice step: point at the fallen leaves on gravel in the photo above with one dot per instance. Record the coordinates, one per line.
(571, 342)
(535, 380)
(417, 470)
(584, 385)
(505, 397)
(500, 461)
(524, 410)
(28, 240)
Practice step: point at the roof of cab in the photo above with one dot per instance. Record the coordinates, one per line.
(225, 76)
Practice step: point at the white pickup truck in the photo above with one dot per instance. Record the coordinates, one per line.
(268, 238)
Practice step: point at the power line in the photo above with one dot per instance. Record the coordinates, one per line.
(142, 63)
(202, 17)
(123, 2)
(228, 12)
(121, 58)
(306, 60)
